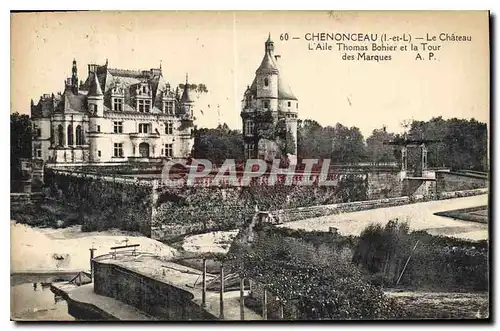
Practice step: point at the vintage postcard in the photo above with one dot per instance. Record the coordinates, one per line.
(250, 165)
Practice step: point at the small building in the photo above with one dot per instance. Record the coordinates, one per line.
(114, 116)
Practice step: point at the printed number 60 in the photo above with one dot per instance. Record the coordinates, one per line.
(284, 36)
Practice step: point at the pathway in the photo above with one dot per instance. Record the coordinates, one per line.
(420, 216)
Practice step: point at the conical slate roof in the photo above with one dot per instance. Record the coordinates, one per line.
(95, 87)
(268, 63)
(284, 90)
(186, 98)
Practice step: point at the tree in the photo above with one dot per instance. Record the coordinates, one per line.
(218, 144)
(313, 141)
(377, 152)
(463, 142)
(348, 145)
(20, 142)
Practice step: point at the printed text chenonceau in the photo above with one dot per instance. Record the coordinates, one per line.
(381, 46)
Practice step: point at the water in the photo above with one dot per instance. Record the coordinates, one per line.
(32, 299)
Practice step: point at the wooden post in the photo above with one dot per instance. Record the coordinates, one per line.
(242, 298)
(406, 264)
(91, 266)
(204, 288)
(264, 304)
(221, 315)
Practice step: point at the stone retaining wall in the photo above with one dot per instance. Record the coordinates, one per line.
(158, 299)
(454, 181)
(104, 201)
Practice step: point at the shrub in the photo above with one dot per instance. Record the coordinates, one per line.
(312, 286)
(436, 262)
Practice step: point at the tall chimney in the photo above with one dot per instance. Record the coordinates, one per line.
(92, 68)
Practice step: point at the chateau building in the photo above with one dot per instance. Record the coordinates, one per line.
(269, 93)
(114, 116)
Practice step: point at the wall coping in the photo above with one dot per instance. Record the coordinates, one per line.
(378, 203)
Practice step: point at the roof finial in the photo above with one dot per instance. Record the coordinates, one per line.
(160, 65)
(269, 37)
(186, 78)
(106, 62)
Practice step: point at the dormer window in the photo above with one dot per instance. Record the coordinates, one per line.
(118, 104)
(144, 106)
(117, 98)
(168, 107)
(143, 89)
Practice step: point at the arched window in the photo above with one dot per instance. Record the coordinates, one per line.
(60, 135)
(70, 134)
(266, 82)
(79, 135)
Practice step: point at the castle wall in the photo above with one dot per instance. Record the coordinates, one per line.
(107, 201)
(202, 209)
(103, 201)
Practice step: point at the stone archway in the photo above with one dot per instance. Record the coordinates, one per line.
(144, 149)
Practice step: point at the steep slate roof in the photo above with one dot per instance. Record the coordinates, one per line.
(100, 82)
(125, 73)
(72, 103)
(268, 63)
(186, 98)
(95, 87)
(284, 90)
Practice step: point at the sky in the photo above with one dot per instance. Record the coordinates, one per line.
(223, 49)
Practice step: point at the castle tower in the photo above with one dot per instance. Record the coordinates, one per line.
(186, 105)
(95, 97)
(95, 100)
(267, 78)
(186, 102)
(269, 94)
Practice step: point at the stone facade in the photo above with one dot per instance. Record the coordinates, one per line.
(114, 116)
